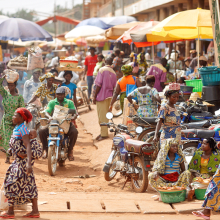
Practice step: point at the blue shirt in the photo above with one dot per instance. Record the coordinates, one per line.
(20, 130)
(72, 87)
(173, 166)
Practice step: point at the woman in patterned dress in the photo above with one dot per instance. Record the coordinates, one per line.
(19, 183)
(169, 118)
(169, 169)
(11, 101)
(47, 91)
(147, 97)
(212, 200)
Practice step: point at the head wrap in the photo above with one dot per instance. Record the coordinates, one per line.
(171, 89)
(126, 70)
(46, 76)
(36, 70)
(25, 114)
(64, 89)
(159, 164)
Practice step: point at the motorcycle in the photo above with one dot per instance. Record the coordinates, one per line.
(58, 142)
(82, 98)
(149, 125)
(131, 158)
(116, 108)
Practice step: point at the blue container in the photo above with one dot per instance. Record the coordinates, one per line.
(210, 75)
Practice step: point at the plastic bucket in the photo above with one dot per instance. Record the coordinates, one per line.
(196, 83)
(186, 89)
(173, 196)
(200, 194)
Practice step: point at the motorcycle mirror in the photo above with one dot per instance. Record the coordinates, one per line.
(139, 130)
(109, 115)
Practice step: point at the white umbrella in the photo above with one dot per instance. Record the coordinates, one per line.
(84, 31)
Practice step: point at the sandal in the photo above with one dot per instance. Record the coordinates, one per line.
(5, 215)
(70, 157)
(201, 215)
(30, 215)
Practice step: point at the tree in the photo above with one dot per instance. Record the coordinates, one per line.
(23, 13)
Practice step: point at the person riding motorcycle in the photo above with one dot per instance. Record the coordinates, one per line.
(72, 133)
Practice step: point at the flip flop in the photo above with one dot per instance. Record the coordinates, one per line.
(201, 215)
(5, 215)
(29, 215)
(70, 157)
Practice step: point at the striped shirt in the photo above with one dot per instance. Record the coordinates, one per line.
(19, 131)
(173, 166)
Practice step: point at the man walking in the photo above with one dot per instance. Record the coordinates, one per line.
(105, 83)
(90, 63)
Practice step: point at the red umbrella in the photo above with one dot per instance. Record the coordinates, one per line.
(126, 38)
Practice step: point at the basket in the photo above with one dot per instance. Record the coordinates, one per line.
(196, 83)
(173, 196)
(200, 194)
(210, 75)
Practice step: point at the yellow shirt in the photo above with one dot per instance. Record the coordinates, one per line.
(204, 165)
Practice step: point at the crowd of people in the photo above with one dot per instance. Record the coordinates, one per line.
(136, 79)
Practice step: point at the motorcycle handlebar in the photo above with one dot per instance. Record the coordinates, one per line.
(103, 124)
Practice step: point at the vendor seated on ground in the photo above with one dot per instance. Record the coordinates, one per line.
(169, 168)
(205, 160)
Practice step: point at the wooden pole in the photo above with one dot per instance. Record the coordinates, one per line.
(215, 29)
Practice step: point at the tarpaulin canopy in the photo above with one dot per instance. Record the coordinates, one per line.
(116, 31)
(59, 18)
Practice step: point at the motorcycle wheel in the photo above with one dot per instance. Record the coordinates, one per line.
(52, 162)
(111, 174)
(144, 135)
(86, 100)
(116, 109)
(190, 148)
(141, 184)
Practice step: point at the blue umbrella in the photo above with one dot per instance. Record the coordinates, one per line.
(113, 21)
(18, 28)
(94, 22)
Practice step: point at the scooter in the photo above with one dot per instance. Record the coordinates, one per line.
(131, 158)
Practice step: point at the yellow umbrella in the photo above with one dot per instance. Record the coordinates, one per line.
(190, 24)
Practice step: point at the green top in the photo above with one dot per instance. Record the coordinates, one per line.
(10, 103)
(67, 103)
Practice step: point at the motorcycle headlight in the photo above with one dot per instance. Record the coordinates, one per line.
(53, 130)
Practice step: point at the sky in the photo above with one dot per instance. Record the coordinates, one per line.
(46, 6)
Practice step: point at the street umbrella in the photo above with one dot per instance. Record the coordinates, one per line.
(118, 20)
(97, 22)
(18, 28)
(84, 31)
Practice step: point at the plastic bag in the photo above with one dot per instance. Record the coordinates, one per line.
(11, 76)
(35, 59)
(3, 200)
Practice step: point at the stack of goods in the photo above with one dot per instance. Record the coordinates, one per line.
(200, 185)
(19, 62)
(69, 62)
(173, 194)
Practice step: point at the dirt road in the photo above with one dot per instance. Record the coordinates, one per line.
(93, 193)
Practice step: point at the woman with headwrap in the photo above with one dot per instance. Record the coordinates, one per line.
(19, 184)
(169, 118)
(11, 101)
(169, 168)
(142, 63)
(47, 91)
(122, 85)
(31, 86)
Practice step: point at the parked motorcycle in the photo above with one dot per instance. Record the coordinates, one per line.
(116, 108)
(58, 142)
(131, 158)
(82, 98)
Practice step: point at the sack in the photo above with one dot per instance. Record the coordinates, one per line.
(60, 113)
(3, 200)
(11, 76)
(35, 59)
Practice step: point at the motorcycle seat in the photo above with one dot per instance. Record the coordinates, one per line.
(135, 145)
(150, 120)
(201, 124)
(197, 133)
